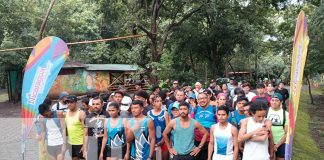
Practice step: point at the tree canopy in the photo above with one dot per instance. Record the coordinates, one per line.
(185, 40)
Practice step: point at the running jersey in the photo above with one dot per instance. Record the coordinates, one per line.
(53, 130)
(223, 142)
(116, 134)
(255, 150)
(140, 148)
(183, 138)
(159, 123)
(74, 128)
(206, 117)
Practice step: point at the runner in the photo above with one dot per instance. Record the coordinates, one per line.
(262, 95)
(280, 120)
(246, 88)
(94, 129)
(256, 132)
(236, 116)
(160, 118)
(114, 144)
(205, 114)
(183, 136)
(61, 104)
(284, 93)
(141, 134)
(180, 97)
(144, 97)
(74, 120)
(223, 138)
(53, 129)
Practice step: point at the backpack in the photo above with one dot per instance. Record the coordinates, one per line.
(284, 118)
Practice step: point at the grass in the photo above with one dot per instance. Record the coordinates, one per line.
(304, 146)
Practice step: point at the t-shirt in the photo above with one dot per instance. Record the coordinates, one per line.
(95, 123)
(265, 99)
(277, 121)
(235, 119)
(250, 95)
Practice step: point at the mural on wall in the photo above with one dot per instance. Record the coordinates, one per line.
(81, 82)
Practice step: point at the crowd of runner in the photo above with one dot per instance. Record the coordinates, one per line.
(226, 122)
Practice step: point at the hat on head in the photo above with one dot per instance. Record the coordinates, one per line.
(277, 95)
(72, 98)
(175, 105)
(125, 103)
(62, 95)
(192, 96)
(175, 82)
(197, 83)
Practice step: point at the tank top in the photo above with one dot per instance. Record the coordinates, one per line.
(53, 130)
(223, 142)
(116, 135)
(251, 148)
(183, 138)
(159, 123)
(140, 148)
(74, 128)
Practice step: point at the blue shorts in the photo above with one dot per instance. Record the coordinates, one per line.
(281, 151)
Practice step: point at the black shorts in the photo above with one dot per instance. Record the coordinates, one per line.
(281, 151)
(75, 150)
(54, 150)
(116, 152)
(183, 157)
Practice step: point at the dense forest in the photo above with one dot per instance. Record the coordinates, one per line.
(187, 40)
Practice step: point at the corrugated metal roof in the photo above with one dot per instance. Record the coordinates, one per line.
(69, 64)
(111, 67)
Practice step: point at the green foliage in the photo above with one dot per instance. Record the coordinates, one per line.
(304, 146)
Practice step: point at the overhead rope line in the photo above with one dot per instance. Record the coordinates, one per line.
(80, 42)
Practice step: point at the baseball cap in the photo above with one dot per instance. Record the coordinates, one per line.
(175, 105)
(72, 98)
(192, 95)
(62, 95)
(277, 95)
(175, 82)
(125, 103)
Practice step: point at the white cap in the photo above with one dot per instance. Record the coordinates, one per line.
(197, 83)
(125, 103)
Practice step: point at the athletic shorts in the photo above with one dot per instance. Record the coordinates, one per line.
(164, 148)
(116, 152)
(183, 157)
(75, 150)
(281, 151)
(54, 150)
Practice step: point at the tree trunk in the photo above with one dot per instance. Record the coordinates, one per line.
(40, 34)
(309, 90)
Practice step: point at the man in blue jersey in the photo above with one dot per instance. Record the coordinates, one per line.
(141, 133)
(205, 114)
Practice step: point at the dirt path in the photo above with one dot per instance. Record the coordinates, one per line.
(317, 124)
